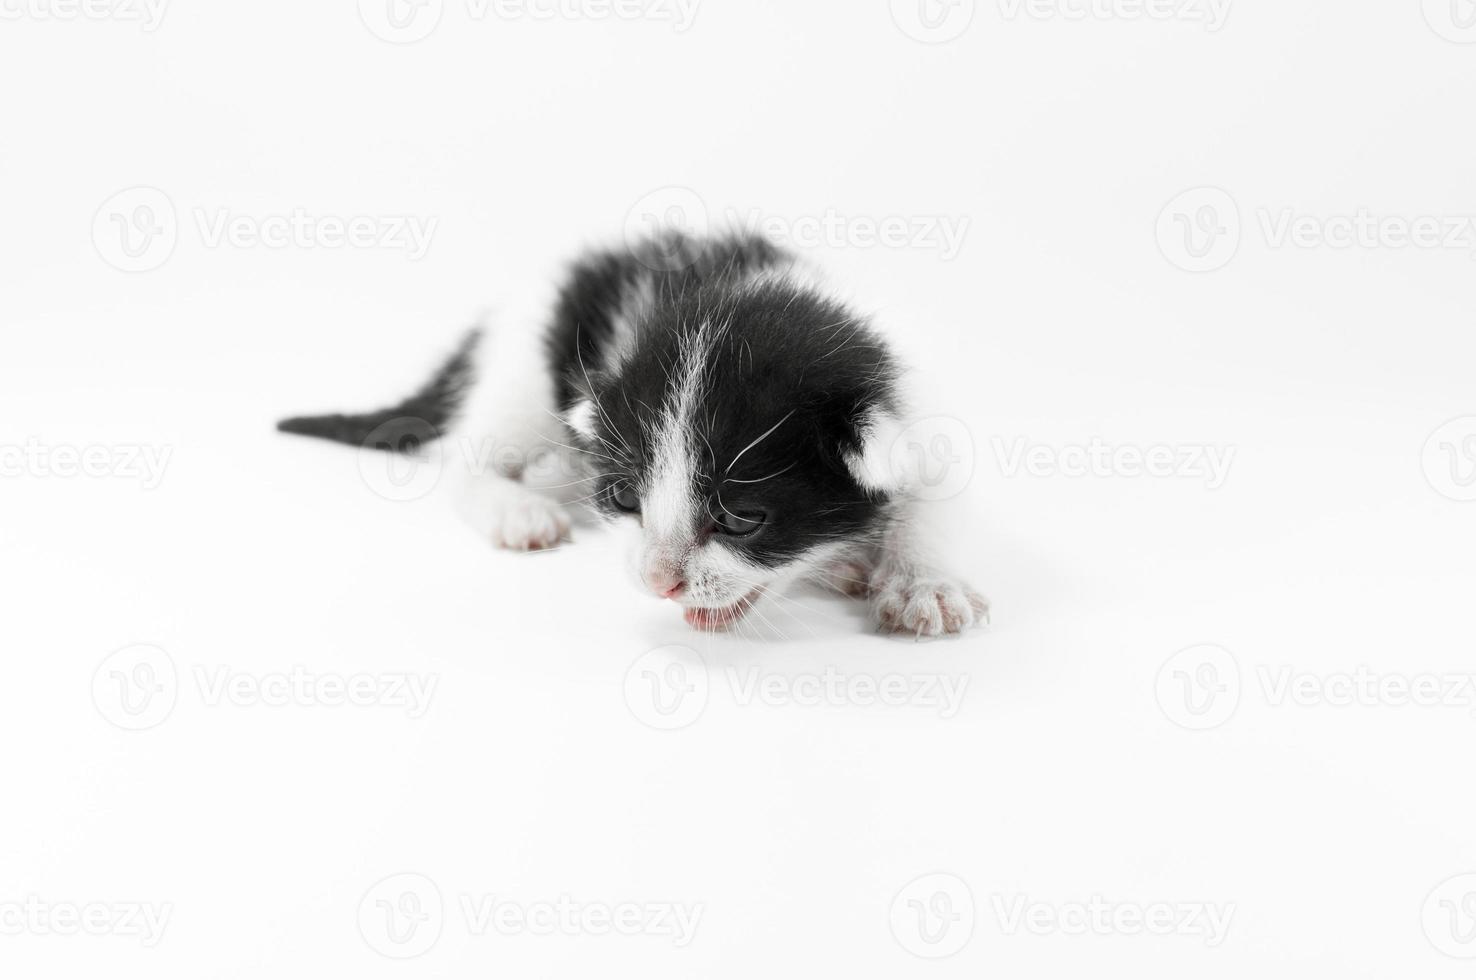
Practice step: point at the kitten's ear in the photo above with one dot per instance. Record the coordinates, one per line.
(871, 460)
(581, 417)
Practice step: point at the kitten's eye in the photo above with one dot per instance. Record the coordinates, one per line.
(738, 525)
(625, 498)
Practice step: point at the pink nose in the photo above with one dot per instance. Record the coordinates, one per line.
(668, 585)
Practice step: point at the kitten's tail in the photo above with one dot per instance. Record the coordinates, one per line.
(421, 418)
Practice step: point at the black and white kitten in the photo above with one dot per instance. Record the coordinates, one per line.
(711, 399)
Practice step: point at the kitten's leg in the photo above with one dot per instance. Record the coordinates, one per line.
(909, 595)
(509, 441)
(512, 516)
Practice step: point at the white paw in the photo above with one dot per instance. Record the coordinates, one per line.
(925, 606)
(528, 522)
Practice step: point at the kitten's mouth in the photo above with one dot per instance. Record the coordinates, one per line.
(722, 617)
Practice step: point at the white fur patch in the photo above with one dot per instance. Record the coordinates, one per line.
(636, 305)
(874, 467)
(669, 507)
(581, 418)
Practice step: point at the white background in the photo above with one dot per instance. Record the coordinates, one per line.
(1067, 317)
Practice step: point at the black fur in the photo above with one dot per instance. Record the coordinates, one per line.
(601, 283)
(421, 418)
(783, 353)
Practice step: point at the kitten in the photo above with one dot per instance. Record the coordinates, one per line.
(734, 416)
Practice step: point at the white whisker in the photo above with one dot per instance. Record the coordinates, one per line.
(759, 440)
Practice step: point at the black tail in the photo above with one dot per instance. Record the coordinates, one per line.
(421, 418)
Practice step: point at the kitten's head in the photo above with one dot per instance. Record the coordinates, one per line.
(745, 434)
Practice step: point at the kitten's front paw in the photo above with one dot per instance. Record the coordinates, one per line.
(926, 606)
(528, 522)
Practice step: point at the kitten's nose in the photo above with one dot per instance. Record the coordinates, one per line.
(668, 585)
